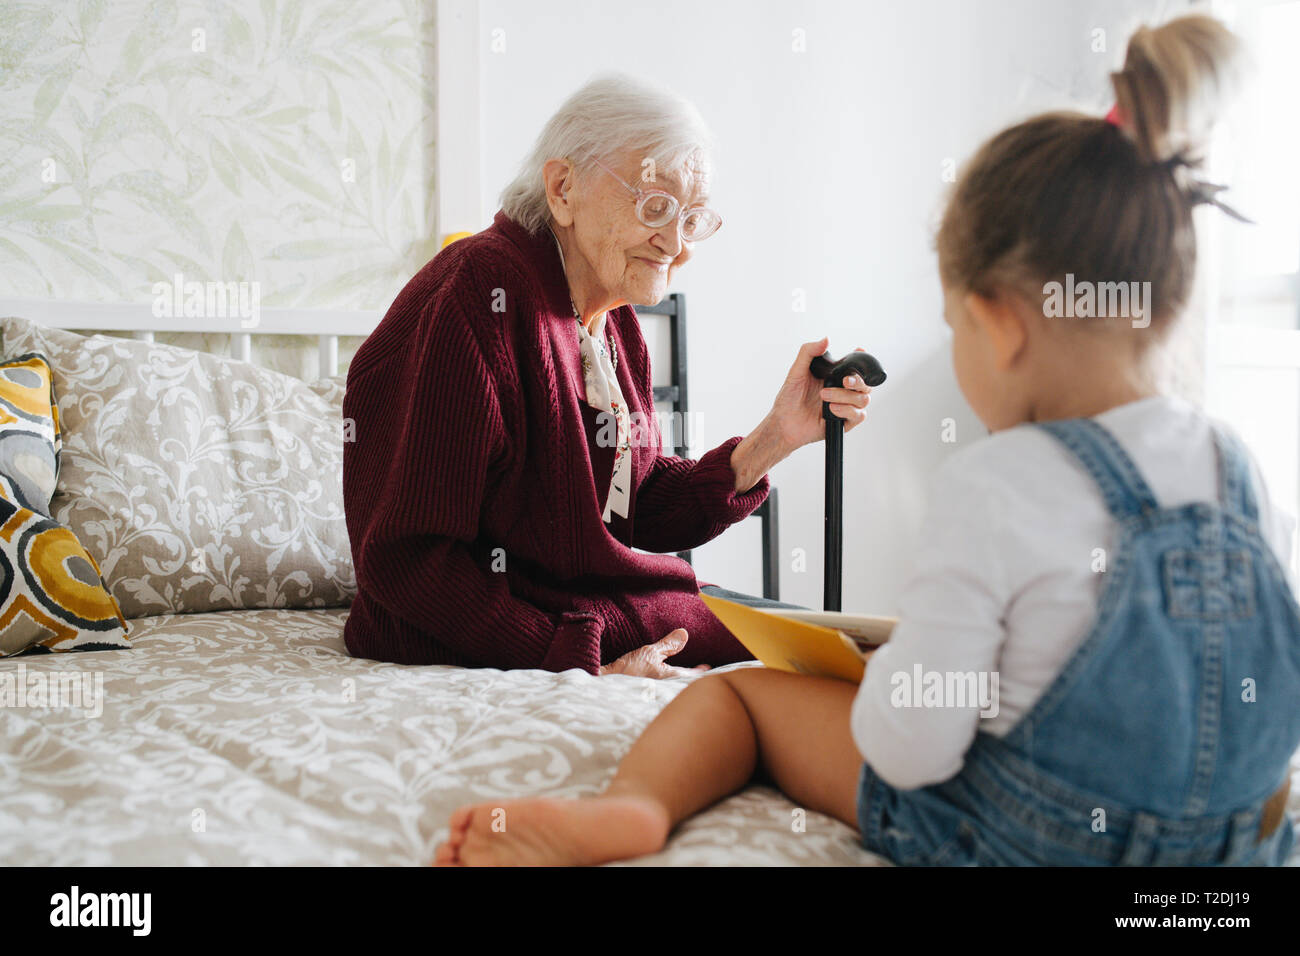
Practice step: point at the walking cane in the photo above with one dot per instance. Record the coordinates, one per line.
(833, 373)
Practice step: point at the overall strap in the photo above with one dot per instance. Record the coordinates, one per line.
(1122, 486)
(1236, 485)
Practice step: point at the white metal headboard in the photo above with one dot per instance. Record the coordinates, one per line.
(325, 325)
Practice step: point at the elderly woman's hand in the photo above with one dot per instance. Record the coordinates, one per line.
(796, 417)
(648, 661)
(797, 410)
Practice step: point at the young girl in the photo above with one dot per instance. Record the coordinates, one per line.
(1109, 554)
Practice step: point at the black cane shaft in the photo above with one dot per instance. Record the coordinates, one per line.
(834, 543)
(832, 374)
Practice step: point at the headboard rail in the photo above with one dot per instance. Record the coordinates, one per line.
(325, 325)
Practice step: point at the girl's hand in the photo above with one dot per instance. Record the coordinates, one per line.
(797, 410)
(648, 661)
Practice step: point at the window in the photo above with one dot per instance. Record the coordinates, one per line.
(1252, 289)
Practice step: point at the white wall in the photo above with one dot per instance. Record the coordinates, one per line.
(828, 174)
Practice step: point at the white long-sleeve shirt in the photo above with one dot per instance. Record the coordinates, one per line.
(1004, 581)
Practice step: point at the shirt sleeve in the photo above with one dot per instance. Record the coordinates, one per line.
(682, 503)
(950, 630)
(414, 557)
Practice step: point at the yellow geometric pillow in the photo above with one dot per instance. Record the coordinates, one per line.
(52, 596)
(30, 440)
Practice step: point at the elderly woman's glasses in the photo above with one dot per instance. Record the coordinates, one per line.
(656, 209)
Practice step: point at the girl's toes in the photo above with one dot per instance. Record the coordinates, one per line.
(459, 824)
(445, 855)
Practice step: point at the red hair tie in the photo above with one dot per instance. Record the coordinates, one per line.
(1114, 117)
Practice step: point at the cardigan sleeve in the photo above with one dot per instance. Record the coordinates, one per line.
(681, 504)
(414, 557)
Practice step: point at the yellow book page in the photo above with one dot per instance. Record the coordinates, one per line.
(787, 645)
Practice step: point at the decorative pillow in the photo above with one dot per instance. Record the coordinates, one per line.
(203, 483)
(51, 593)
(29, 433)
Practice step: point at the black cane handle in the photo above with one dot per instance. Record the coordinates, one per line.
(833, 373)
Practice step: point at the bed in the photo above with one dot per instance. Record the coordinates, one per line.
(251, 737)
(236, 729)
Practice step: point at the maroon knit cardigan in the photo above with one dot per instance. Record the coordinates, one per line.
(474, 485)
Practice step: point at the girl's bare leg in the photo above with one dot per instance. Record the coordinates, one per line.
(706, 744)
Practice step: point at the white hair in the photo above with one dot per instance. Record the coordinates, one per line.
(608, 115)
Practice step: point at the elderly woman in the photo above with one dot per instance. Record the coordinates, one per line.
(506, 460)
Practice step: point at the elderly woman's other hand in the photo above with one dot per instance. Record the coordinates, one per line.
(648, 661)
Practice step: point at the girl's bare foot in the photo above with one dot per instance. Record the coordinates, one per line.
(551, 832)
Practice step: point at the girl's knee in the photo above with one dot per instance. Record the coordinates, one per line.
(733, 685)
(745, 678)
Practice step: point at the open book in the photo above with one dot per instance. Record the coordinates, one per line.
(816, 643)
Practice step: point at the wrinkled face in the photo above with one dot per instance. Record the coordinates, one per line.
(633, 262)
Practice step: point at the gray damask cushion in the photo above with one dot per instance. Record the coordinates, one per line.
(199, 483)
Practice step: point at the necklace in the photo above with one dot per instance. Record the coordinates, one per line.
(577, 316)
(609, 342)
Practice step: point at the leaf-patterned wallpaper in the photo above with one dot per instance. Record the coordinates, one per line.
(288, 142)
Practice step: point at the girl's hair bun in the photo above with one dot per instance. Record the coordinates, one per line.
(1177, 79)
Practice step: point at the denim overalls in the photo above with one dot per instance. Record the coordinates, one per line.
(1166, 732)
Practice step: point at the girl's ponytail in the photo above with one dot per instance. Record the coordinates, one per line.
(1104, 201)
(1176, 81)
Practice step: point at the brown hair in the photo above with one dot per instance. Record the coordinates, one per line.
(1108, 202)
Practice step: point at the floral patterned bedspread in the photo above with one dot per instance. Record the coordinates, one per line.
(251, 737)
